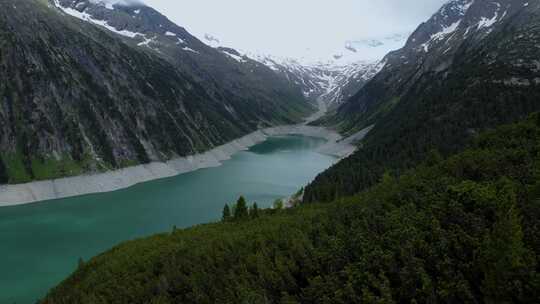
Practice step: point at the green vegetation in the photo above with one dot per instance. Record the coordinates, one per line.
(458, 230)
(442, 105)
(15, 168)
(240, 212)
(42, 168)
(241, 209)
(50, 168)
(226, 214)
(254, 211)
(278, 204)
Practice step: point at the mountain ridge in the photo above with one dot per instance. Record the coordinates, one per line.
(77, 98)
(431, 48)
(479, 76)
(332, 80)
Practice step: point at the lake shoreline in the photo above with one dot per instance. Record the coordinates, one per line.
(19, 194)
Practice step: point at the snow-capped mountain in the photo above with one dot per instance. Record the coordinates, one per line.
(474, 65)
(458, 21)
(101, 85)
(223, 72)
(452, 35)
(330, 80)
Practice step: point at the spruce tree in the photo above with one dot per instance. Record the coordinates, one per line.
(433, 157)
(504, 256)
(254, 213)
(241, 210)
(4, 177)
(80, 263)
(226, 213)
(278, 204)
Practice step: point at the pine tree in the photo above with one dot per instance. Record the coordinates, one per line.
(4, 178)
(241, 210)
(80, 263)
(504, 253)
(254, 213)
(226, 213)
(278, 204)
(433, 157)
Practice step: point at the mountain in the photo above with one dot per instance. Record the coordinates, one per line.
(329, 82)
(336, 79)
(439, 205)
(460, 230)
(80, 96)
(223, 75)
(473, 65)
(433, 49)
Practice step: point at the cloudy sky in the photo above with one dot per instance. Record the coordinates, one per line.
(296, 27)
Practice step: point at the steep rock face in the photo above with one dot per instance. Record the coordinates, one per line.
(433, 49)
(473, 65)
(74, 98)
(225, 77)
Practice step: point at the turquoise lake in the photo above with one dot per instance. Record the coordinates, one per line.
(41, 243)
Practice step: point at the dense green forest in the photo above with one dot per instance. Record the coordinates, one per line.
(463, 229)
(446, 115)
(439, 99)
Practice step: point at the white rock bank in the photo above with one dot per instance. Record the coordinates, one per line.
(114, 180)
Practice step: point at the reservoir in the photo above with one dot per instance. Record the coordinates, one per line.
(41, 243)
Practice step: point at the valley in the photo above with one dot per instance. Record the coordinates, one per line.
(359, 152)
(335, 145)
(59, 163)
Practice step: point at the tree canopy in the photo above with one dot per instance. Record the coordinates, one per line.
(458, 230)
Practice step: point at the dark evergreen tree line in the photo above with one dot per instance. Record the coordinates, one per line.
(458, 230)
(240, 211)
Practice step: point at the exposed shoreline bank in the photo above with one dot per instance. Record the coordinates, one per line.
(11, 195)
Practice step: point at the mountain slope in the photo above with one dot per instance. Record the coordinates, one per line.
(461, 230)
(76, 98)
(458, 28)
(222, 75)
(328, 82)
(460, 74)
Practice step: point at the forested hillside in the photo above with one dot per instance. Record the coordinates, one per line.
(455, 77)
(458, 230)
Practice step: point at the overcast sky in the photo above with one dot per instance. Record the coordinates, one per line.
(290, 27)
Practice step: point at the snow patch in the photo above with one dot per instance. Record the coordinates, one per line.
(440, 35)
(88, 18)
(235, 57)
(485, 22)
(188, 49)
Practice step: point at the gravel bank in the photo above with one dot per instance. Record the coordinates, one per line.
(114, 180)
